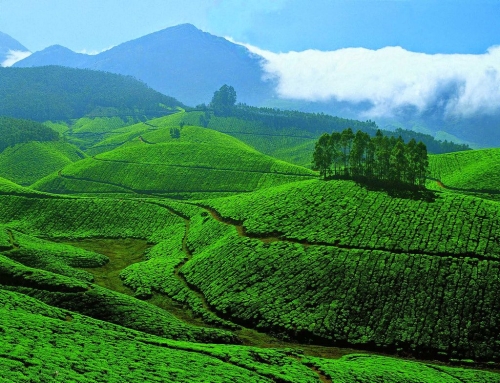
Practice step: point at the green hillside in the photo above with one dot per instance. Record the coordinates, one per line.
(28, 162)
(469, 171)
(87, 131)
(161, 250)
(334, 263)
(14, 131)
(36, 338)
(58, 93)
(290, 135)
(201, 161)
(8, 187)
(48, 304)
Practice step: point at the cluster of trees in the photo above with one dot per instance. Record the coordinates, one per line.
(375, 158)
(223, 101)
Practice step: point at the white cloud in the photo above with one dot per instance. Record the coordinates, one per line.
(13, 57)
(389, 78)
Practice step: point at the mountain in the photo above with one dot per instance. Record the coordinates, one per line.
(10, 50)
(180, 61)
(58, 93)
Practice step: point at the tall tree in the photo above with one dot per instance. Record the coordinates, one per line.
(334, 143)
(346, 138)
(398, 162)
(422, 164)
(358, 153)
(223, 100)
(322, 156)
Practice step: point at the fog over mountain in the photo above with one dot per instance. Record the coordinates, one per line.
(395, 85)
(11, 50)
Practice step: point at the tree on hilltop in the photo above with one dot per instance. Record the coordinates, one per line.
(223, 100)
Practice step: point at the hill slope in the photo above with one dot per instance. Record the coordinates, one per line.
(334, 263)
(28, 162)
(15, 131)
(200, 161)
(181, 61)
(470, 171)
(56, 93)
(24, 319)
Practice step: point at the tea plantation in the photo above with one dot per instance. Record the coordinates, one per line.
(200, 162)
(164, 251)
(469, 171)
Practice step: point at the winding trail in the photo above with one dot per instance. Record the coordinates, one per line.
(279, 237)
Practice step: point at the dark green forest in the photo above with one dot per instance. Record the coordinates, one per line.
(59, 93)
(14, 131)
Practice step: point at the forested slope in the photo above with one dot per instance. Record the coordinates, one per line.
(59, 93)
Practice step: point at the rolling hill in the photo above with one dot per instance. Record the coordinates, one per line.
(267, 275)
(57, 93)
(28, 162)
(473, 171)
(358, 274)
(201, 161)
(160, 359)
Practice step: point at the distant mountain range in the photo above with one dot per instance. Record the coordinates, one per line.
(189, 64)
(180, 61)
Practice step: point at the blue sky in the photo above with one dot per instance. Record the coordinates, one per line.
(429, 26)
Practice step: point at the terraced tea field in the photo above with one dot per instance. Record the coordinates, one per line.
(201, 162)
(473, 172)
(257, 271)
(28, 162)
(44, 311)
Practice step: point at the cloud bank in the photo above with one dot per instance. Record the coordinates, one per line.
(390, 79)
(13, 57)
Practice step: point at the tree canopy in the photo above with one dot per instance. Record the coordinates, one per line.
(223, 100)
(375, 158)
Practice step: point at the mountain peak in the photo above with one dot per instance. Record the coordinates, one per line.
(8, 43)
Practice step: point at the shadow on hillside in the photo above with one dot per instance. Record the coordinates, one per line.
(397, 190)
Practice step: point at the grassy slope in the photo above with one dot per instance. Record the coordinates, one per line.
(201, 161)
(46, 270)
(11, 188)
(28, 162)
(291, 145)
(475, 170)
(377, 271)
